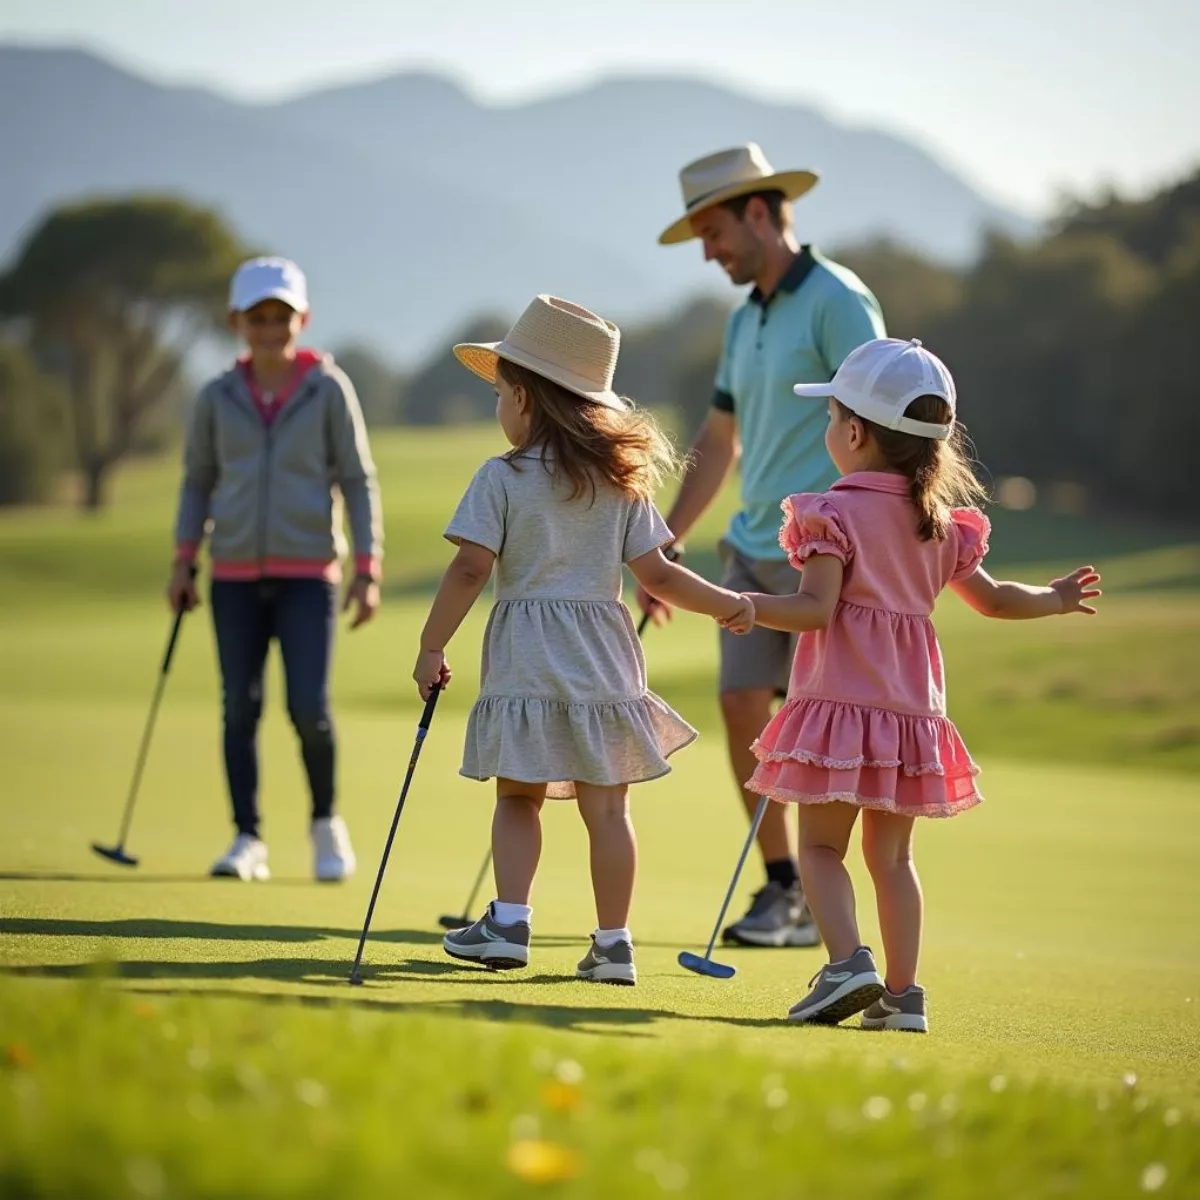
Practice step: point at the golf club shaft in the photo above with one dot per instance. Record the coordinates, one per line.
(422, 730)
(483, 870)
(143, 750)
(758, 816)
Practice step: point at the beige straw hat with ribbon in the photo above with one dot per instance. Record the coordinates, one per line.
(726, 175)
(560, 341)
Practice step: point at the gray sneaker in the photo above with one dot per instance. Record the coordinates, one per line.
(839, 990)
(905, 1011)
(501, 947)
(608, 964)
(777, 916)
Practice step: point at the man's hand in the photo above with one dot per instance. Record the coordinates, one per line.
(181, 587)
(431, 669)
(363, 592)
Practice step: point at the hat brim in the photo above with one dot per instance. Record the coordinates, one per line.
(816, 391)
(480, 359)
(291, 299)
(793, 184)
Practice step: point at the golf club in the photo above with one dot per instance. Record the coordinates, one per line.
(448, 920)
(705, 965)
(117, 853)
(422, 730)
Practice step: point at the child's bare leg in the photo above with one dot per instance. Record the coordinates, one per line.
(824, 837)
(887, 848)
(516, 838)
(605, 812)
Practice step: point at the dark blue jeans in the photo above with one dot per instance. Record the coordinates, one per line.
(301, 614)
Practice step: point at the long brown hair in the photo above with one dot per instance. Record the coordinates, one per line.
(939, 473)
(586, 442)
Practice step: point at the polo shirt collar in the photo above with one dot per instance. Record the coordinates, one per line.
(872, 481)
(793, 277)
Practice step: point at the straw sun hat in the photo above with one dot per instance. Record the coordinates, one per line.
(727, 175)
(562, 342)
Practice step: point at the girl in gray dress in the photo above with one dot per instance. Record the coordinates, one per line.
(564, 710)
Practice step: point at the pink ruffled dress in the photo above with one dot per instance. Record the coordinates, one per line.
(865, 718)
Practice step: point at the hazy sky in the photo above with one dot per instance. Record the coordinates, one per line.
(1025, 97)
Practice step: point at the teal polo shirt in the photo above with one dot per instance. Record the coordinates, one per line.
(798, 334)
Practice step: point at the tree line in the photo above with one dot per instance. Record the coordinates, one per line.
(1077, 355)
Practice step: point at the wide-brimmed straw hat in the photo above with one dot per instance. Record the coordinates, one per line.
(726, 175)
(561, 341)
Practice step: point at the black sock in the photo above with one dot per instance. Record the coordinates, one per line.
(783, 872)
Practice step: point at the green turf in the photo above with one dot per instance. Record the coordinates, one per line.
(162, 1034)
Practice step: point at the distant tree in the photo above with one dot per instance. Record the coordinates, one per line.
(117, 292)
(912, 290)
(441, 390)
(31, 415)
(1032, 347)
(380, 388)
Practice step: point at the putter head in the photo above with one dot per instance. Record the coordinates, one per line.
(448, 922)
(705, 966)
(115, 854)
(356, 980)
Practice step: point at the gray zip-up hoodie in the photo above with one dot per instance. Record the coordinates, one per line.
(265, 493)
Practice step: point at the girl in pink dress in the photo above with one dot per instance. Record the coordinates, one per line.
(865, 726)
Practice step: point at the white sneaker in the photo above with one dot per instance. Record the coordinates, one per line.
(246, 859)
(333, 856)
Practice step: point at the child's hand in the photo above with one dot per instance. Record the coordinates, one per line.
(1077, 587)
(741, 620)
(431, 669)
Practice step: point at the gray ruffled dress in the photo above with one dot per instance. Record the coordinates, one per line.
(563, 695)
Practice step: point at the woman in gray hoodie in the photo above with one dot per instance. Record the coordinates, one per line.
(276, 451)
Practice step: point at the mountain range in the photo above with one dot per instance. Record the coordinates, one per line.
(414, 208)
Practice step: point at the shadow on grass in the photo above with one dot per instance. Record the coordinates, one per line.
(155, 927)
(141, 978)
(139, 877)
(161, 927)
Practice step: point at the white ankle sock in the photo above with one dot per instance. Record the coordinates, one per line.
(610, 937)
(510, 914)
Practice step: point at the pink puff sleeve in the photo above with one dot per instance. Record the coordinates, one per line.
(811, 525)
(971, 528)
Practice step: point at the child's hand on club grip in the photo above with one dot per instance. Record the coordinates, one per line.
(431, 669)
(741, 620)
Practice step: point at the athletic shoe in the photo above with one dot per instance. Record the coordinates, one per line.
(333, 856)
(501, 947)
(246, 859)
(777, 916)
(905, 1011)
(608, 964)
(839, 990)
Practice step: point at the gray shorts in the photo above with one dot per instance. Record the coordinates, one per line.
(761, 658)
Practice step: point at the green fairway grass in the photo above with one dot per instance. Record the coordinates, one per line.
(162, 1034)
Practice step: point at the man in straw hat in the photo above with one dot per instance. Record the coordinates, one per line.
(802, 317)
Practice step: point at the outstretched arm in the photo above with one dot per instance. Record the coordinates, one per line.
(1012, 601)
(811, 607)
(464, 580)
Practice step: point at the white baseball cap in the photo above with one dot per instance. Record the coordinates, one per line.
(260, 279)
(880, 379)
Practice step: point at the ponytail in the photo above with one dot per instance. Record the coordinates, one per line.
(939, 473)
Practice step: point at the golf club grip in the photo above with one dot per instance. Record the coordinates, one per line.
(671, 554)
(430, 705)
(170, 651)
